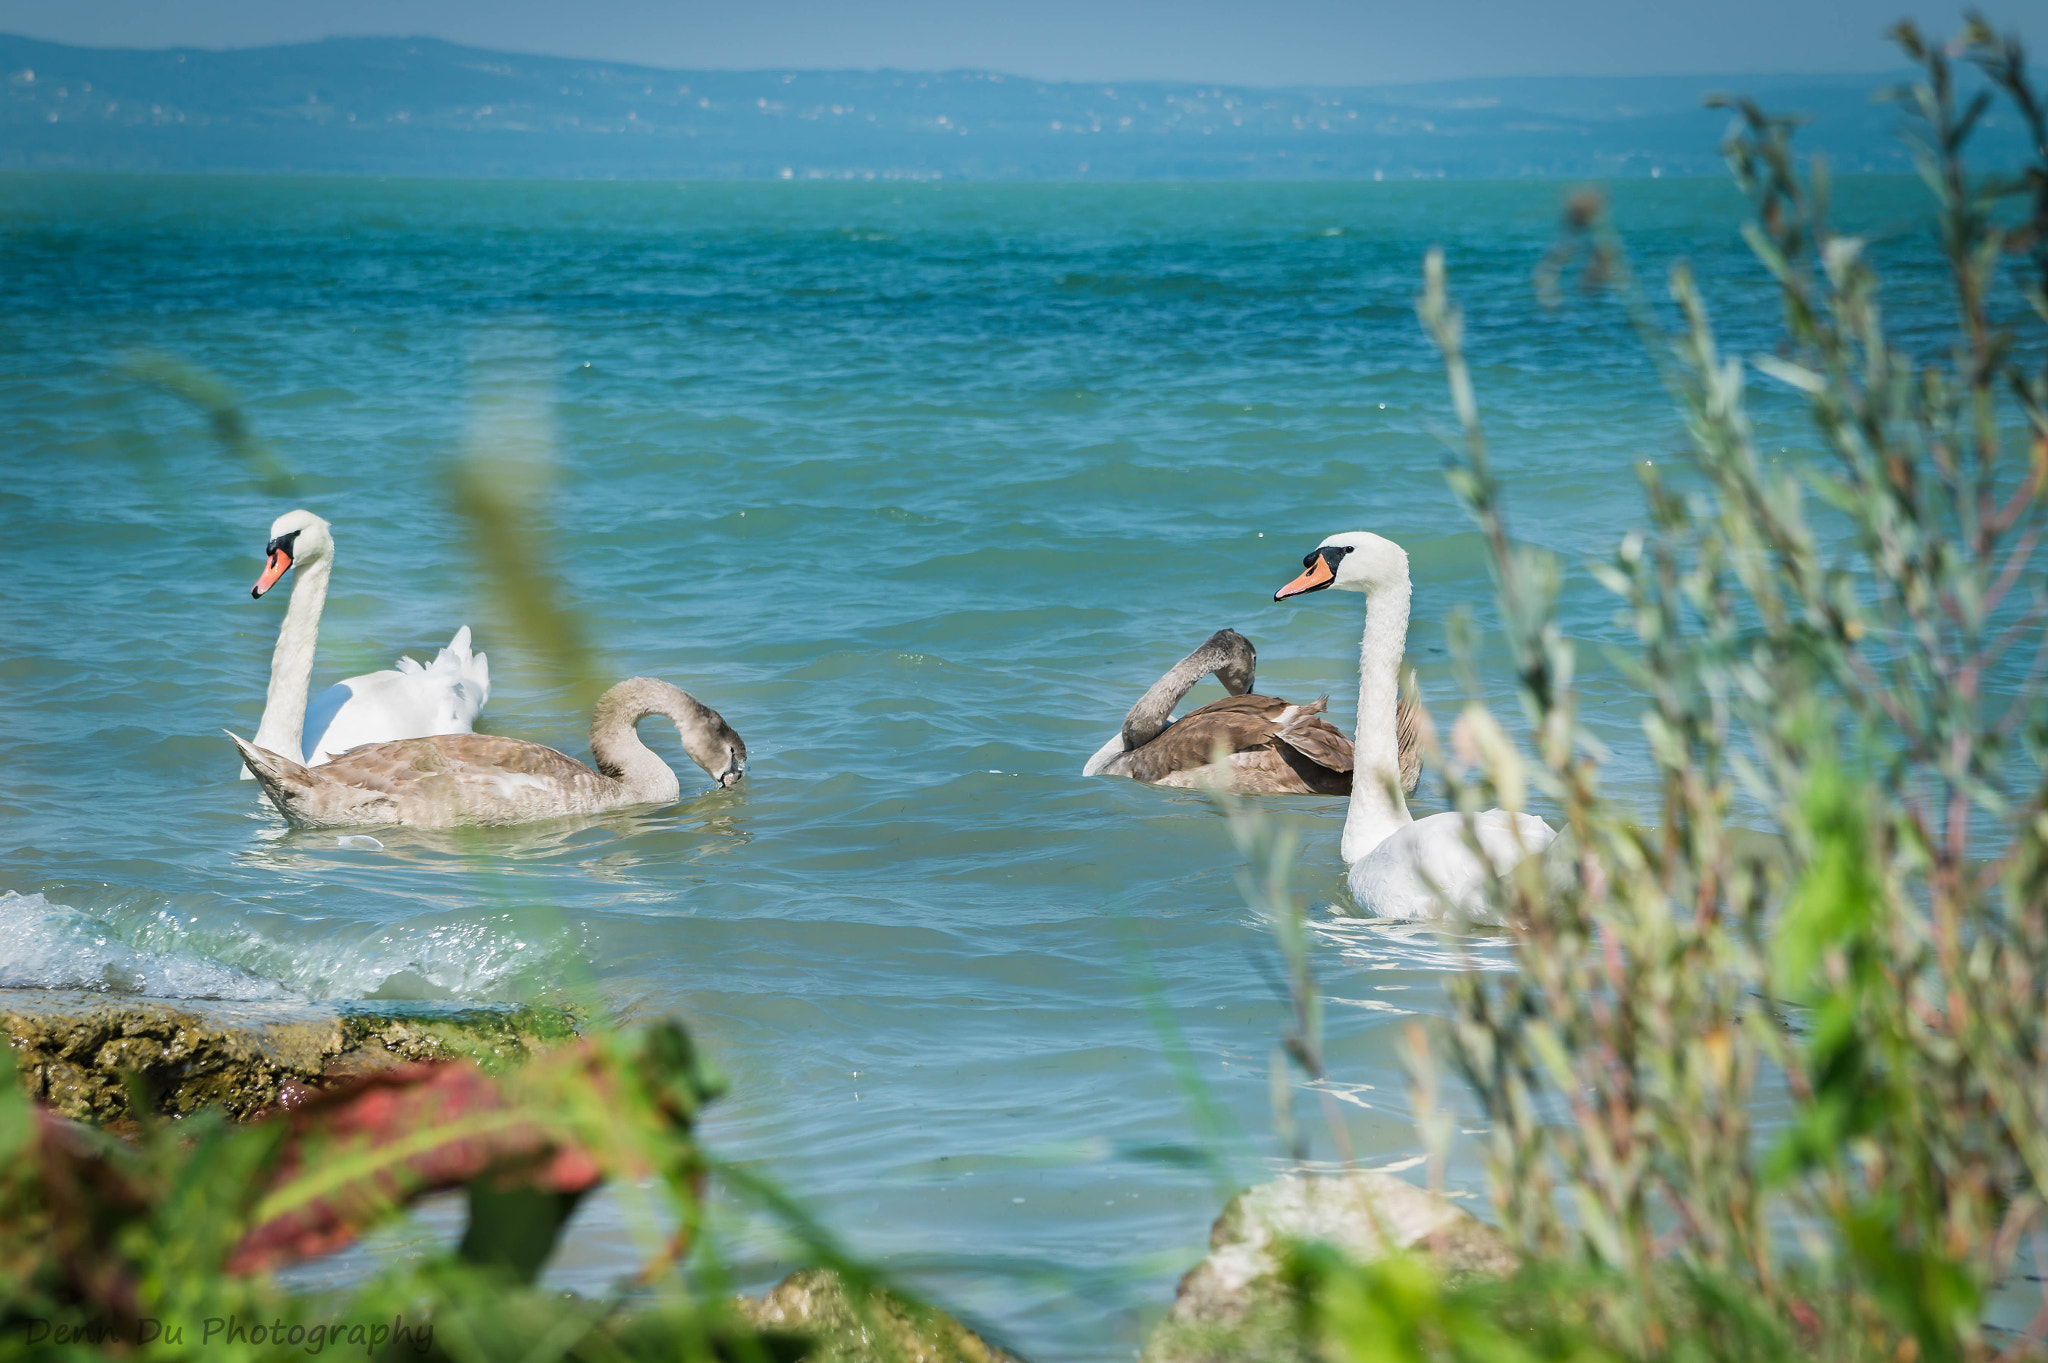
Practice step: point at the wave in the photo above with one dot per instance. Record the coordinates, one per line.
(498, 956)
(54, 946)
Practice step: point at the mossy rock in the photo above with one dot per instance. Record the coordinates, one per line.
(815, 1303)
(1233, 1305)
(84, 1056)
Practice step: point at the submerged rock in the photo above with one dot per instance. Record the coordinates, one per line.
(815, 1303)
(1233, 1305)
(79, 1054)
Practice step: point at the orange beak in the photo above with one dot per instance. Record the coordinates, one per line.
(1315, 577)
(280, 563)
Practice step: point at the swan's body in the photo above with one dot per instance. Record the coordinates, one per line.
(1270, 746)
(1425, 869)
(1401, 866)
(408, 701)
(457, 779)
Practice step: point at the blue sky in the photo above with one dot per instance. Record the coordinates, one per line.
(1248, 41)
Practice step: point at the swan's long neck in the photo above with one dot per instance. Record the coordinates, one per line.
(283, 727)
(1377, 808)
(619, 753)
(1232, 664)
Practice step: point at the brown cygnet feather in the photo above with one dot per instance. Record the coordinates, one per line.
(1272, 747)
(458, 779)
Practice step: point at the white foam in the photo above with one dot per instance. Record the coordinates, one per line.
(251, 955)
(47, 945)
(463, 956)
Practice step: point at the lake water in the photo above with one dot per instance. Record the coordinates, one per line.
(919, 486)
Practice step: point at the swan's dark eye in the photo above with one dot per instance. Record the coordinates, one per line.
(283, 542)
(1332, 554)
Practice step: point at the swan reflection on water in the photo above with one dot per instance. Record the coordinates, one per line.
(1374, 944)
(615, 845)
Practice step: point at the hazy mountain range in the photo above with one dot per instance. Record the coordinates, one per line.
(418, 106)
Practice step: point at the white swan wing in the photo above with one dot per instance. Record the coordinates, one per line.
(458, 665)
(1507, 839)
(1427, 869)
(416, 702)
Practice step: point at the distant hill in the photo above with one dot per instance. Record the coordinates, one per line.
(419, 106)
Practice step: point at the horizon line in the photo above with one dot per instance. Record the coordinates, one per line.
(1843, 75)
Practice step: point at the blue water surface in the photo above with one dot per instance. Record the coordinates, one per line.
(919, 486)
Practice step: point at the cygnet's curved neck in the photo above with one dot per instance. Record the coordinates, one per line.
(1226, 653)
(283, 726)
(619, 753)
(1377, 808)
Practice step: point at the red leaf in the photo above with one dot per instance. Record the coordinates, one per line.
(385, 1109)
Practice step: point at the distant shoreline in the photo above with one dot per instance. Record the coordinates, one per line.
(421, 108)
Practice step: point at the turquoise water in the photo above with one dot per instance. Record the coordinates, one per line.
(920, 487)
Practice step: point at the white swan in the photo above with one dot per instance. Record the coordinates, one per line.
(1401, 866)
(408, 702)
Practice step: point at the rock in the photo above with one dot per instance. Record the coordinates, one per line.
(815, 1303)
(75, 1052)
(1233, 1306)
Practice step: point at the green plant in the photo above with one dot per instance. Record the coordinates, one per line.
(160, 1246)
(1855, 647)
